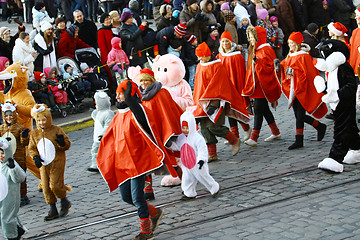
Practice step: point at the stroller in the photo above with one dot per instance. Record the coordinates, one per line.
(15, 10)
(75, 97)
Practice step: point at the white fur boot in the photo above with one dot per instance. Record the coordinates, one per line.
(169, 181)
(331, 165)
(352, 157)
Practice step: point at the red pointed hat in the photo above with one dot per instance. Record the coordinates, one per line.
(147, 71)
(337, 28)
(296, 37)
(203, 50)
(38, 75)
(134, 88)
(227, 35)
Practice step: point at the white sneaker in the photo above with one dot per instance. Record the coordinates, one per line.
(247, 134)
(273, 138)
(251, 142)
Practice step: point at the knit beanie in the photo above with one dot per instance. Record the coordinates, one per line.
(225, 6)
(189, 2)
(229, 15)
(203, 50)
(180, 29)
(113, 13)
(125, 16)
(227, 35)
(38, 75)
(312, 27)
(190, 38)
(296, 37)
(83, 66)
(3, 30)
(103, 16)
(262, 13)
(337, 28)
(273, 19)
(45, 25)
(133, 4)
(59, 20)
(71, 30)
(39, 5)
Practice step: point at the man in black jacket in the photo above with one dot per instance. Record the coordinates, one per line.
(169, 35)
(87, 29)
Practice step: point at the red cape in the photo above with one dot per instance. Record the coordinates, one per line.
(354, 51)
(234, 63)
(126, 151)
(261, 81)
(164, 119)
(212, 83)
(303, 77)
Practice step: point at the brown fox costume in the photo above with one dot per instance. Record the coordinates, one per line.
(47, 147)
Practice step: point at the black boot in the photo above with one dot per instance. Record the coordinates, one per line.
(65, 206)
(24, 201)
(299, 142)
(52, 214)
(321, 129)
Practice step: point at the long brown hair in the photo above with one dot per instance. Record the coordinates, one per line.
(48, 39)
(252, 31)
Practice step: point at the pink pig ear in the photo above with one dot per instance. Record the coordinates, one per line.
(157, 58)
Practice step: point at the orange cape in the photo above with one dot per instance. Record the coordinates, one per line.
(354, 51)
(261, 81)
(126, 151)
(164, 119)
(304, 73)
(234, 63)
(212, 83)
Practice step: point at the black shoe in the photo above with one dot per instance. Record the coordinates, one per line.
(24, 201)
(215, 195)
(51, 215)
(321, 129)
(21, 231)
(65, 208)
(149, 196)
(186, 198)
(299, 142)
(93, 170)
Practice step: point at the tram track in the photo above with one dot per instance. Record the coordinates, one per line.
(223, 190)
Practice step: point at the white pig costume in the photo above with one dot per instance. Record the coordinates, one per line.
(194, 159)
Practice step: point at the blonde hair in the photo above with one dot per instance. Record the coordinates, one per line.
(146, 77)
(297, 48)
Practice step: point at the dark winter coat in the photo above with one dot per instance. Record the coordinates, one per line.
(68, 44)
(342, 11)
(300, 14)
(193, 27)
(213, 45)
(165, 37)
(315, 12)
(286, 18)
(312, 41)
(252, 12)
(133, 42)
(188, 54)
(166, 22)
(88, 32)
(5, 49)
(105, 34)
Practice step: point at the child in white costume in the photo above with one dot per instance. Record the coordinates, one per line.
(102, 117)
(194, 158)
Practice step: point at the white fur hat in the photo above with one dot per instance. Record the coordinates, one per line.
(45, 25)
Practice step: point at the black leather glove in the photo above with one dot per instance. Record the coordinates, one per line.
(60, 140)
(8, 138)
(211, 110)
(201, 163)
(38, 161)
(25, 132)
(100, 137)
(11, 163)
(50, 48)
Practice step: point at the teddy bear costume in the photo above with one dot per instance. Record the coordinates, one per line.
(340, 95)
(18, 136)
(9, 206)
(47, 145)
(102, 116)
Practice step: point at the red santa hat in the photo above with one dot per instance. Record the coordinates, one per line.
(337, 28)
(227, 35)
(38, 75)
(203, 50)
(134, 88)
(357, 11)
(296, 37)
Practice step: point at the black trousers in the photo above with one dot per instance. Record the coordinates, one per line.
(261, 111)
(300, 115)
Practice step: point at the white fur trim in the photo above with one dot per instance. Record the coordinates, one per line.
(334, 60)
(231, 53)
(320, 64)
(102, 95)
(124, 110)
(331, 165)
(319, 83)
(357, 11)
(297, 53)
(40, 109)
(263, 45)
(210, 62)
(334, 30)
(8, 107)
(352, 157)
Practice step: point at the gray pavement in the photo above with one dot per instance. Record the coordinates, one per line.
(259, 199)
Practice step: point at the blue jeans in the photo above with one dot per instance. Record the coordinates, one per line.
(132, 192)
(192, 70)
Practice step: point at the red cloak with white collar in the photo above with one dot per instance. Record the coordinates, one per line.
(355, 50)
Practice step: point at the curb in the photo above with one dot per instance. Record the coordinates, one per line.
(77, 124)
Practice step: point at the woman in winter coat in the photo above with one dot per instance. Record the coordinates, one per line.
(44, 45)
(24, 53)
(133, 42)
